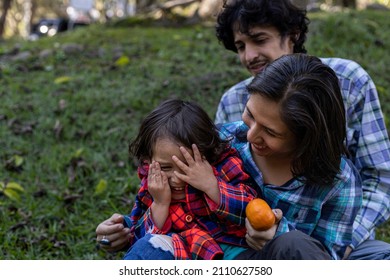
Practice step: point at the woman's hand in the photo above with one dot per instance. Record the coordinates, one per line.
(257, 239)
(197, 172)
(113, 230)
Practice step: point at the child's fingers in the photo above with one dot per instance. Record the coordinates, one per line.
(154, 173)
(150, 171)
(156, 167)
(186, 155)
(164, 179)
(157, 178)
(197, 155)
(181, 176)
(180, 164)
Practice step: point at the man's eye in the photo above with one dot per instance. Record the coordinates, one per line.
(260, 41)
(165, 168)
(240, 47)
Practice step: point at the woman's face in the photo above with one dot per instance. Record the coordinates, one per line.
(268, 134)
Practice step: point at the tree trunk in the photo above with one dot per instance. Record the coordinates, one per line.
(302, 4)
(209, 8)
(349, 4)
(145, 5)
(3, 17)
(27, 18)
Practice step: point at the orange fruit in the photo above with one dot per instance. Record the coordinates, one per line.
(259, 214)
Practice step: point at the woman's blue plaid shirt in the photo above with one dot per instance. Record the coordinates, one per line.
(325, 213)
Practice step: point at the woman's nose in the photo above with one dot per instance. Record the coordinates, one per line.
(254, 135)
(251, 134)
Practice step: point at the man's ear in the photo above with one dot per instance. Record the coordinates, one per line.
(294, 37)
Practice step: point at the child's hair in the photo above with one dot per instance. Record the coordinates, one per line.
(181, 121)
(312, 107)
(288, 19)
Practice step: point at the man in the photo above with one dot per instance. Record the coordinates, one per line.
(260, 31)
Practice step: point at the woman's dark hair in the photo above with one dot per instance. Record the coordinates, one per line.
(181, 121)
(288, 19)
(312, 107)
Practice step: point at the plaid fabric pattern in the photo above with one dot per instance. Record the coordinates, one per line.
(326, 213)
(196, 244)
(197, 224)
(367, 139)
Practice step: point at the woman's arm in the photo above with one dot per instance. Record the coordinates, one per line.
(335, 226)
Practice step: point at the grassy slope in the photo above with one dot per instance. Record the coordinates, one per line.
(73, 134)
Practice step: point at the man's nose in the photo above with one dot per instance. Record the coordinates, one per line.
(250, 53)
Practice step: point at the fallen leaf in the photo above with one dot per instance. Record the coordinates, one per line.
(62, 80)
(101, 187)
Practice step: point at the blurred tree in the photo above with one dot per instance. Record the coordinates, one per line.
(6, 6)
(27, 13)
(21, 14)
(301, 3)
(16, 16)
(193, 10)
(209, 8)
(345, 3)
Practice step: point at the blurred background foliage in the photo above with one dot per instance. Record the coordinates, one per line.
(71, 103)
(17, 17)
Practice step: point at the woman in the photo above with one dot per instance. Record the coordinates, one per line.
(291, 141)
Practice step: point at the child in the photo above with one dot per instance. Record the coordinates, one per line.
(193, 195)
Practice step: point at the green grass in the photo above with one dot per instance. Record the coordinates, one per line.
(72, 134)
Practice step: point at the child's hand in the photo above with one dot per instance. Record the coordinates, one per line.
(158, 185)
(197, 172)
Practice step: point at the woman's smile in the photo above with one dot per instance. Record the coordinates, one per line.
(259, 148)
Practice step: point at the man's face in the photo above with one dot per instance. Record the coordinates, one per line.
(261, 46)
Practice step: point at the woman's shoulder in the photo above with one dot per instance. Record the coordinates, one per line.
(234, 130)
(348, 172)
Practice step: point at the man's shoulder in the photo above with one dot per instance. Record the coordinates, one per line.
(344, 68)
(240, 86)
(232, 103)
(337, 61)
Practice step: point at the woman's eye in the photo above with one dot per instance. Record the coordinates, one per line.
(269, 132)
(250, 115)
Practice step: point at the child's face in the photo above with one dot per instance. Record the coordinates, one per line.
(162, 153)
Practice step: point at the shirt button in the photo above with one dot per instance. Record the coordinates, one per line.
(188, 218)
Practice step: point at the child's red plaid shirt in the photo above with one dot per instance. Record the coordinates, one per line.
(197, 224)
